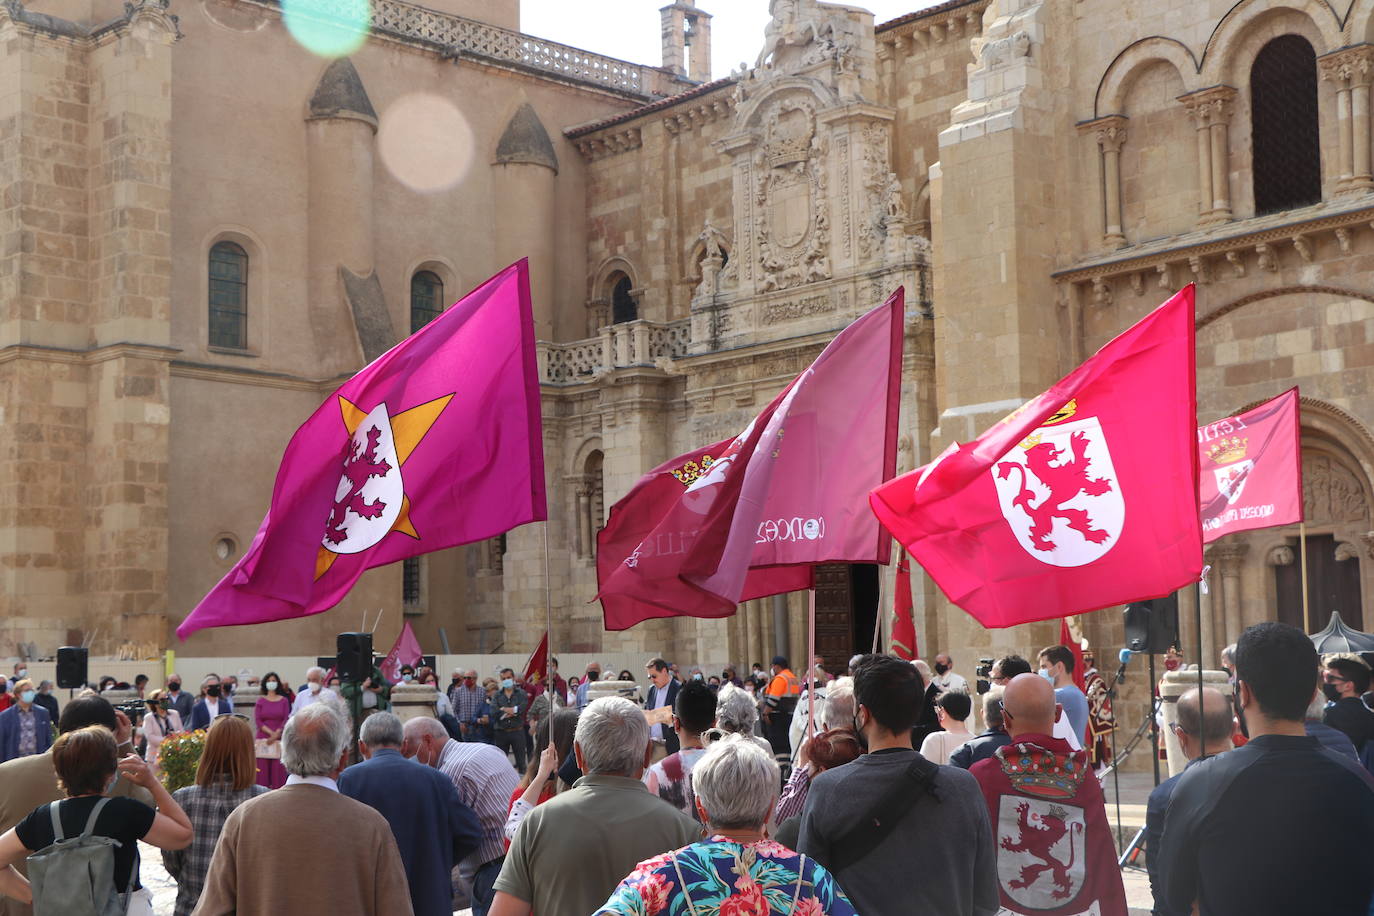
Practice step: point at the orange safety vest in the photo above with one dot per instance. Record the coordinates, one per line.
(783, 684)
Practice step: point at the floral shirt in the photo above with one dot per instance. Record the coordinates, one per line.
(721, 877)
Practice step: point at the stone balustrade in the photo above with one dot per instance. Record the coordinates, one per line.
(630, 343)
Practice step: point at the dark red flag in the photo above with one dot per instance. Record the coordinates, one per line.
(752, 516)
(538, 665)
(903, 625)
(1082, 498)
(1251, 469)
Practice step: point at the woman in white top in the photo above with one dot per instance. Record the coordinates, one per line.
(160, 721)
(952, 707)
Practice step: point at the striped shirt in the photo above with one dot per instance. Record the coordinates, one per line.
(485, 780)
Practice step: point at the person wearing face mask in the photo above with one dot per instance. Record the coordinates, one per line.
(270, 713)
(46, 699)
(160, 721)
(182, 701)
(593, 674)
(210, 706)
(510, 705)
(1056, 666)
(313, 691)
(21, 671)
(25, 729)
(1344, 679)
(944, 676)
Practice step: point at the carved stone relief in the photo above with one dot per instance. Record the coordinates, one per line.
(1331, 493)
(790, 193)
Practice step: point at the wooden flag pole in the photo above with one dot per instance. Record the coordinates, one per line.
(810, 654)
(548, 632)
(878, 619)
(1302, 552)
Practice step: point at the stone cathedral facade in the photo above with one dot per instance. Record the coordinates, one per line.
(204, 227)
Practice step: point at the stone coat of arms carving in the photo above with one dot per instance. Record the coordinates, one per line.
(794, 232)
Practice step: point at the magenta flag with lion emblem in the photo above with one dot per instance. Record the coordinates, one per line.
(1082, 498)
(1251, 469)
(434, 444)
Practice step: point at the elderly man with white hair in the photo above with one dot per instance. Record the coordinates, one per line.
(736, 785)
(354, 870)
(313, 690)
(570, 852)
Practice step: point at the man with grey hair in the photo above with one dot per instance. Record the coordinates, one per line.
(253, 871)
(836, 712)
(548, 868)
(313, 690)
(985, 744)
(432, 826)
(485, 782)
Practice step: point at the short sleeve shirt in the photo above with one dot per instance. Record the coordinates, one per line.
(123, 819)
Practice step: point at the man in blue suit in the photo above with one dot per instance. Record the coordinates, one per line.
(25, 728)
(432, 826)
(211, 706)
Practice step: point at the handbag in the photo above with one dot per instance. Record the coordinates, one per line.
(266, 749)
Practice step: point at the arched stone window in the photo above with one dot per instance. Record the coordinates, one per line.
(228, 296)
(623, 305)
(1283, 103)
(591, 504)
(426, 299)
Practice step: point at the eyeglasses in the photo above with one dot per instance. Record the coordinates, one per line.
(1336, 679)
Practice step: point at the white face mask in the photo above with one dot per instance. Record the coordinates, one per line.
(23, 673)
(314, 686)
(271, 685)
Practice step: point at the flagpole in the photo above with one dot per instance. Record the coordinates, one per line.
(548, 629)
(1302, 551)
(810, 654)
(878, 618)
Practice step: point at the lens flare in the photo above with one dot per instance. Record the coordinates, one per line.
(328, 28)
(425, 142)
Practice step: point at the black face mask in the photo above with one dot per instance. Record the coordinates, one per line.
(859, 732)
(212, 691)
(941, 668)
(1330, 692)
(174, 686)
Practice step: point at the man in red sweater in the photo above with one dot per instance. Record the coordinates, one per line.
(1055, 855)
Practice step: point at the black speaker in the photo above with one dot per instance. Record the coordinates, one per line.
(1152, 626)
(71, 667)
(354, 656)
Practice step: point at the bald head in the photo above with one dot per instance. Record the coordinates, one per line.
(1205, 725)
(1028, 705)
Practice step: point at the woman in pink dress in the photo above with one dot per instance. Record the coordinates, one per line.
(270, 714)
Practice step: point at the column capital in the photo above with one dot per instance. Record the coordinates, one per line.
(1109, 131)
(1212, 105)
(1353, 66)
(1227, 556)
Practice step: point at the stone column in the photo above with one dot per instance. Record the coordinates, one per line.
(1349, 70)
(584, 522)
(1227, 558)
(1175, 685)
(1110, 133)
(1210, 110)
(525, 173)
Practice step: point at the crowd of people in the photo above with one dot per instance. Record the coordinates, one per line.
(705, 795)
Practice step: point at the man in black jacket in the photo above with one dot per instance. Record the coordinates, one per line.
(1343, 681)
(987, 743)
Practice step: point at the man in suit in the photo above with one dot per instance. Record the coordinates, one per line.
(354, 869)
(181, 700)
(211, 706)
(27, 782)
(432, 826)
(662, 693)
(25, 728)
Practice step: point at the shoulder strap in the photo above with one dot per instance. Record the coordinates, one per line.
(889, 810)
(55, 813)
(801, 877)
(95, 813)
(682, 885)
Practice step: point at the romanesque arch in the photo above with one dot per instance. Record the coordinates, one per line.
(1250, 24)
(1128, 65)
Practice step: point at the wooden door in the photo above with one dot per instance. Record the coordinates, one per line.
(846, 612)
(1332, 585)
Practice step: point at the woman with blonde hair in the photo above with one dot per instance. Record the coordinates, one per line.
(224, 780)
